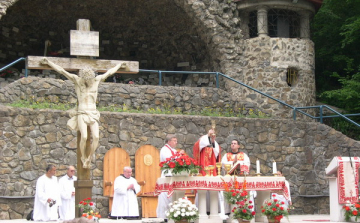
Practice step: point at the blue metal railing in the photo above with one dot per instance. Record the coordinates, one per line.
(295, 109)
(217, 74)
(15, 62)
(217, 84)
(321, 117)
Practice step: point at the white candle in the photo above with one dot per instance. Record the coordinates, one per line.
(257, 166)
(274, 168)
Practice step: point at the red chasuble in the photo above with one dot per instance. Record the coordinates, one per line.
(206, 157)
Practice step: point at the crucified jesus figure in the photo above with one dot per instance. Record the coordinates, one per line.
(86, 114)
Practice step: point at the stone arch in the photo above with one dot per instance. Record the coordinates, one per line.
(162, 33)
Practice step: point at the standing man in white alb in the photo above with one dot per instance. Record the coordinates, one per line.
(125, 204)
(47, 196)
(166, 152)
(67, 192)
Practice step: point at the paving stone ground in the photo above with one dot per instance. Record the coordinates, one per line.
(292, 219)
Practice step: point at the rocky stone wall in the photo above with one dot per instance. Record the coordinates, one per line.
(31, 139)
(265, 67)
(141, 97)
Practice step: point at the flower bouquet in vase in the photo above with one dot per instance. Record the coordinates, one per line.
(274, 210)
(236, 195)
(87, 208)
(243, 212)
(352, 210)
(182, 210)
(180, 164)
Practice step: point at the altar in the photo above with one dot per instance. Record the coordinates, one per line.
(176, 186)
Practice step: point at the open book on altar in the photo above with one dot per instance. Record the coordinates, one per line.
(239, 168)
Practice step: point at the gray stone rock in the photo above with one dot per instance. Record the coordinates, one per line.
(29, 175)
(57, 153)
(24, 154)
(7, 153)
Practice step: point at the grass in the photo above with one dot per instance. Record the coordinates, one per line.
(165, 109)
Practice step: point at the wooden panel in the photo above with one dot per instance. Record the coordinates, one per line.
(114, 162)
(147, 159)
(149, 205)
(75, 64)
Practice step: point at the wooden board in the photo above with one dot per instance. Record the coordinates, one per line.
(75, 64)
(147, 159)
(149, 205)
(114, 162)
(84, 43)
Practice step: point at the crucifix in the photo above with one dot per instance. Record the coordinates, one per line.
(85, 117)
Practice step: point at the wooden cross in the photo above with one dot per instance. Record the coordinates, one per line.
(84, 44)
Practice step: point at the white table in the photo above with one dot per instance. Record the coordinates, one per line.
(343, 184)
(176, 186)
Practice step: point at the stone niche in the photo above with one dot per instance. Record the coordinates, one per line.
(172, 35)
(137, 30)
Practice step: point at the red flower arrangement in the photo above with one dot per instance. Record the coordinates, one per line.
(6, 74)
(274, 209)
(87, 207)
(178, 163)
(235, 193)
(352, 210)
(244, 210)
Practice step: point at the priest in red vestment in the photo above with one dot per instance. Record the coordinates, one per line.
(207, 151)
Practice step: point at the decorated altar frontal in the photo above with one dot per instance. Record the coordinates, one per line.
(176, 186)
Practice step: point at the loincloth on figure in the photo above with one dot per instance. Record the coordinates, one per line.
(88, 117)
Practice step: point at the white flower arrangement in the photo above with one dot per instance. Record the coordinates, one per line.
(182, 209)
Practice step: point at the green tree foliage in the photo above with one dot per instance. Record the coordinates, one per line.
(336, 33)
(347, 97)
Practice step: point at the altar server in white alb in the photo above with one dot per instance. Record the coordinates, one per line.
(47, 196)
(236, 156)
(281, 197)
(67, 192)
(166, 152)
(125, 203)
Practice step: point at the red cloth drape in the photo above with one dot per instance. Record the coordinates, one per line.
(206, 157)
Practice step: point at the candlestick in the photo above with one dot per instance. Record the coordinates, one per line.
(227, 168)
(211, 168)
(257, 166)
(218, 165)
(274, 167)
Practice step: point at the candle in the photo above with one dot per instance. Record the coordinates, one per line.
(257, 166)
(274, 168)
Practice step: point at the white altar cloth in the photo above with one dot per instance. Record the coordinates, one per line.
(263, 185)
(169, 184)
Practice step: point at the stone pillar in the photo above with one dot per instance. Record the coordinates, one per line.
(305, 24)
(262, 21)
(202, 205)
